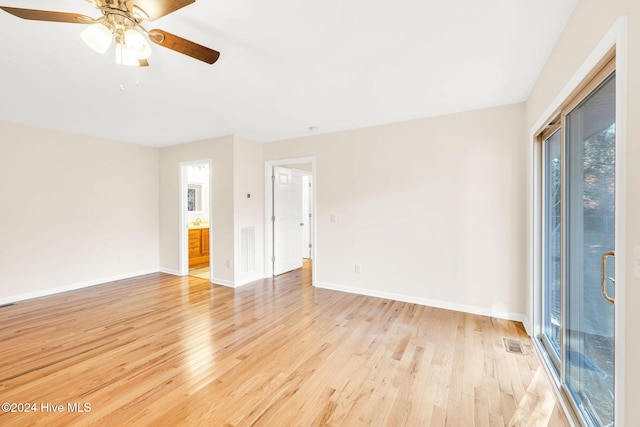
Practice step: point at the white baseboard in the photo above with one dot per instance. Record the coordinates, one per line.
(215, 280)
(323, 285)
(51, 291)
(245, 280)
(424, 301)
(223, 282)
(526, 324)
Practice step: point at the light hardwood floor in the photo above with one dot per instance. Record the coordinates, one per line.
(202, 272)
(166, 350)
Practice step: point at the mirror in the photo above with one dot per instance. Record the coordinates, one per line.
(194, 197)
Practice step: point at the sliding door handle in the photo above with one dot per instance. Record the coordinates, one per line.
(604, 277)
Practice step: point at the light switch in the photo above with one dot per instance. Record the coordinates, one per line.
(334, 219)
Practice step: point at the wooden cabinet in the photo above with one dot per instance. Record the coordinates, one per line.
(205, 242)
(195, 244)
(198, 247)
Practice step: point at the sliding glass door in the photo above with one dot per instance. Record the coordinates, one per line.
(578, 250)
(589, 357)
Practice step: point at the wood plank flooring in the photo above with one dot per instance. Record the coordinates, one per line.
(166, 350)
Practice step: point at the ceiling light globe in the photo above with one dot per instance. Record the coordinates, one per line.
(97, 37)
(137, 45)
(125, 57)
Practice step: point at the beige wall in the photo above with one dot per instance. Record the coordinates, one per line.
(220, 152)
(237, 170)
(590, 21)
(432, 210)
(248, 173)
(75, 210)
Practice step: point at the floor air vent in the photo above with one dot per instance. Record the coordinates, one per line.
(513, 346)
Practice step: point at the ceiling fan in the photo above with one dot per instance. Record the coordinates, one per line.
(121, 20)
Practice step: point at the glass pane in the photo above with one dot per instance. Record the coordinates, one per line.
(551, 246)
(589, 354)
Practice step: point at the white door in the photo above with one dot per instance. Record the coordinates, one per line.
(306, 216)
(287, 220)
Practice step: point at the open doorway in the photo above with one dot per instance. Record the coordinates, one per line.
(195, 219)
(289, 215)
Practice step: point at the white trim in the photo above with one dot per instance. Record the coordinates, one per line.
(526, 322)
(621, 216)
(170, 271)
(609, 40)
(268, 239)
(244, 280)
(534, 222)
(74, 286)
(223, 282)
(482, 311)
(616, 36)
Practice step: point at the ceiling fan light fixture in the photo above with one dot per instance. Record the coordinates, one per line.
(97, 37)
(136, 44)
(119, 16)
(124, 56)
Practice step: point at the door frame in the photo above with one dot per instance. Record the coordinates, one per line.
(306, 190)
(183, 232)
(268, 209)
(615, 38)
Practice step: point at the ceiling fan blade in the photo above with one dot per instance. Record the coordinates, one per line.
(158, 8)
(47, 15)
(187, 47)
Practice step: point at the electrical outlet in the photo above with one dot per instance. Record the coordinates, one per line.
(636, 261)
(228, 263)
(334, 219)
(357, 268)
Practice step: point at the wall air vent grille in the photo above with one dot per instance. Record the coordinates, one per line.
(247, 249)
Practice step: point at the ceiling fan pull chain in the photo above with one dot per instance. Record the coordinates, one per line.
(121, 77)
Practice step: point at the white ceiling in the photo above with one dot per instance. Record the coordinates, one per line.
(285, 65)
